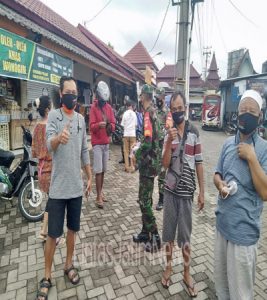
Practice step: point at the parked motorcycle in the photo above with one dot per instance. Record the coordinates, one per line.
(22, 182)
(117, 135)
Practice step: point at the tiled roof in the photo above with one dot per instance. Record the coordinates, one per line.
(213, 79)
(167, 72)
(45, 17)
(110, 53)
(193, 72)
(56, 23)
(139, 55)
(213, 64)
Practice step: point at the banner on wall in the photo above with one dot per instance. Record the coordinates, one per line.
(24, 59)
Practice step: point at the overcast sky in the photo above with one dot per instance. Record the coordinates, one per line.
(217, 24)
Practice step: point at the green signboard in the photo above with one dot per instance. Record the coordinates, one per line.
(24, 59)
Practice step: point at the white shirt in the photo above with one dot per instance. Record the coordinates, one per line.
(129, 123)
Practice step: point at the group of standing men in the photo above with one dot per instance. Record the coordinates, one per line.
(240, 177)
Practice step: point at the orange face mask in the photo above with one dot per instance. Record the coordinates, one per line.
(66, 110)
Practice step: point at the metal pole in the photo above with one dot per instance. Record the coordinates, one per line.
(182, 45)
(176, 42)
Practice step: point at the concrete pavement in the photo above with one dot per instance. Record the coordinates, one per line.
(112, 266)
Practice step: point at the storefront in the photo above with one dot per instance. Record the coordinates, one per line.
(27, 71)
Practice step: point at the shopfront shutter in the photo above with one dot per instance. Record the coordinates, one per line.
(37, 89)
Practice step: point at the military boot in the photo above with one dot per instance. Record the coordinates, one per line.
(160, 203)
(141, 237)
(154, 244)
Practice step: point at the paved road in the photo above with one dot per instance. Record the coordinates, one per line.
(112, 267)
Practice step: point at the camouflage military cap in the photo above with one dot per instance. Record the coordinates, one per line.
(160, 91)
(147, 89)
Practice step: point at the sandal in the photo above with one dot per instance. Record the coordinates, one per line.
(99, 204)
(104, 198)
(45, 283)
(166, 285)
(190, 289)
(167, 280)
(74, 274)
(43, 236)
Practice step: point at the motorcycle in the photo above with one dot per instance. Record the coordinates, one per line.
(117, 135)
(22, 182)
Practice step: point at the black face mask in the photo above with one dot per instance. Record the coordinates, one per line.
(247, 123)
(178, 117)
(69, 100)
(159, 103)
(101, 103)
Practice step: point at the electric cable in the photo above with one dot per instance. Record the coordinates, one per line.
(163, 21)
(219, 29)
(85, 22)
(242, 14)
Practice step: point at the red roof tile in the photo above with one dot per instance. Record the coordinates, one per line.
(110, 53)
(167, 72)
(213, 79)
(139, 55)
(56, 23)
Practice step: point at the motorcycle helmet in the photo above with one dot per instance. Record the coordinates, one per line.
(102, 91)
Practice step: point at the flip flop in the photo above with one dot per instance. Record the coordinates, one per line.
(167, 280)
(99, 205)
(43, 237)
(190, 289)
(104, 198)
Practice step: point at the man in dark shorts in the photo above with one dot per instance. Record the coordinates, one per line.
(66, 139)
(183, 158)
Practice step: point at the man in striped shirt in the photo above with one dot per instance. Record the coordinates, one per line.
(181, 156)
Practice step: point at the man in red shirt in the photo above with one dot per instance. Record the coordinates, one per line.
(102, 124)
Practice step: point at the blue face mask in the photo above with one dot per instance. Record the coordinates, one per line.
(178, 117)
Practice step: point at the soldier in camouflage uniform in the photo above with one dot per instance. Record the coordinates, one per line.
(148, 159)
(162, 112)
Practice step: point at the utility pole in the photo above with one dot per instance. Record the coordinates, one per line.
(207, 54)
(183, 44)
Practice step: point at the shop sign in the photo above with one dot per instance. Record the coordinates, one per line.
(24, 59)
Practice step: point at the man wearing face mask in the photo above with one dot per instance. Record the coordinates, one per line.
(102, 124)
(162, 112)
(181, 157)
(148, 160)
(241, 180)
(66, 140)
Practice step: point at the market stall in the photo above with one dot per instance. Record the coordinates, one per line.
(27, 71)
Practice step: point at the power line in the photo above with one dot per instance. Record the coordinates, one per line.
(163, 21)
(219, 28)
(242, 14)
(85, 22)
(198, 34)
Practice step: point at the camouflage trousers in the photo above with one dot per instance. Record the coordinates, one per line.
(161, 176)
(161, 180)
(146, 186)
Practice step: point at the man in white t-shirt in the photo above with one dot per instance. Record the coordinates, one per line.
(129, 123)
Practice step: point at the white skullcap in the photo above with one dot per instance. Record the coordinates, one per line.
(254, 95)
